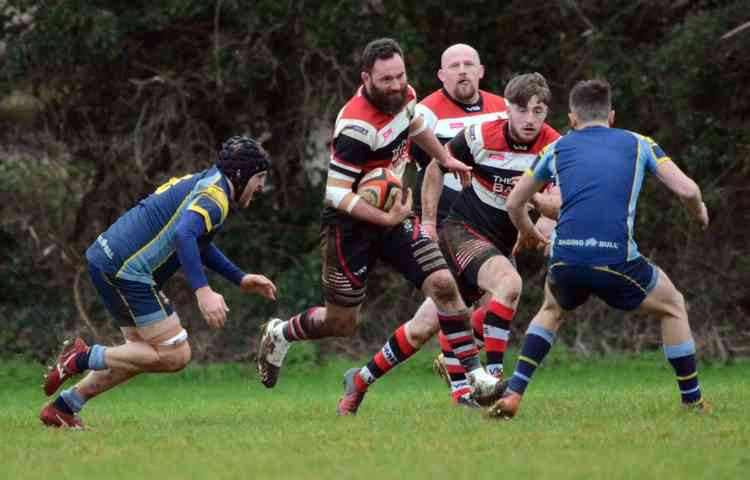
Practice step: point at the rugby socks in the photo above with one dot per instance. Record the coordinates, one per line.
(496, 331)
(536, 346)
(303, 326)
(456, 327)
(456, 373)
(477, 324)
(69, 401)
(93, 359)
(396, 350)
(682, 358)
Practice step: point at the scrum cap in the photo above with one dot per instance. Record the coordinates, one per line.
(239, 159)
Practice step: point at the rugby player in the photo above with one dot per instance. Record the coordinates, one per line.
(129, 262)
(477, 236)
(599, 171)
(372, 130)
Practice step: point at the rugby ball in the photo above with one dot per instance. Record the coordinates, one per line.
(378, 188)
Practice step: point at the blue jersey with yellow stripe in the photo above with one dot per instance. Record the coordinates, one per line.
(599, 171)
(140, 245)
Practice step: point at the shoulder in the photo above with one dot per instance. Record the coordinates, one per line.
(547, 135)
(493, 103)
(494, 133)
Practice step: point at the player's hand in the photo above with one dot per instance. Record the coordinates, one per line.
(451, 163)
(254, 283)
(529, 240)
(399, 211)
(430, 229)
(212, 307)
(464, 178)
(702, 216)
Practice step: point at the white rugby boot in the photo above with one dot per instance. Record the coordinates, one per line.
(271, 352)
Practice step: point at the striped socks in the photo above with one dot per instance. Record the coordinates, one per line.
(496, 331)
(396, 350)
(682, 358)
(303, 326)
(456, 327)
(536, 346)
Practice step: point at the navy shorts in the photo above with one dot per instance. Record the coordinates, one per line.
(131, 304)
(623, 286)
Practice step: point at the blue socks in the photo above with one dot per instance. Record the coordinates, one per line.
(92, 360)
(69, 401)
(536, 346)
(682, 358)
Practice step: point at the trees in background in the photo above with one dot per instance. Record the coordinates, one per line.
(104, 100)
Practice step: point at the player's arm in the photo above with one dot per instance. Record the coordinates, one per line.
(684, 187)
(425, 138)
(432, 188)
(191, 226)
(547, 202)
(215, 259)
(517, 202)
(344, 169)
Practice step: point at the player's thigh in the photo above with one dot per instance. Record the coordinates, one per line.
(498, 274)
(663, 298)
(131, 304)
(569, 286)
(625, 286)
(348, 255)
(411, 252)
(466, 252)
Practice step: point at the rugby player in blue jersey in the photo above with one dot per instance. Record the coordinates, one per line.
(599, 171)
(129, 262)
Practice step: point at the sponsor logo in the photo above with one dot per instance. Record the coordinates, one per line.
(105, 246)
(388, 133)
(389, 355)
(501, 186)
(497, 156)
(357, 128)
(473, 108)
(589, 243)
(361, 271)
(400, 155)
(472, 133)
(456, 125)
(519, 146)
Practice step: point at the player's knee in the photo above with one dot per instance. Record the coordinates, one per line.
(443, 287)
(507, 287)
(343, 325)
(421, 328)
(175, 359)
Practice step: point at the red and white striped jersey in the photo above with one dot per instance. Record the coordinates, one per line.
(497, 162)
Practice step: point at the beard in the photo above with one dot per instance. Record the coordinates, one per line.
(464, 93)
(388, 102)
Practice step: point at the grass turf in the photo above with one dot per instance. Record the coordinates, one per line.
(613, 417)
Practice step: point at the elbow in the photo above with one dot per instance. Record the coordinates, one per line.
(689, 192)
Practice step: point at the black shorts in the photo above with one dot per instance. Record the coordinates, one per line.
(466, 250)
(623, 285)
(350, 249)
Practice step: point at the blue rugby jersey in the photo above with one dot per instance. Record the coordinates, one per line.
(600, 172)
(140, 245)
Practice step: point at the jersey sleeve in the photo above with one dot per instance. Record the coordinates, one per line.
(654, 155)
(460, 148)
(213, 205)
(417, 154)
(542, 168)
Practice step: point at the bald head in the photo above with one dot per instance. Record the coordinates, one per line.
(460, 72)
(458, 50)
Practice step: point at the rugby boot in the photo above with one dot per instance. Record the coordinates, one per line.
(506, 407)
(65, 367)
(271, 352)
(52, 416)
(441, 369)
(349, 403)
(462, 397)
(700, 407)
(487, 389)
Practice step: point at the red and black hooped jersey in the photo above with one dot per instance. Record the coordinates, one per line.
(497, 162)
(366, 138)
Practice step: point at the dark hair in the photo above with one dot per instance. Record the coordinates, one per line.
(591, 100)
(521, 88)
(383, 49)
(239, 159)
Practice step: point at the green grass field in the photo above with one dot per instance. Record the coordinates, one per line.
(582, 418)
